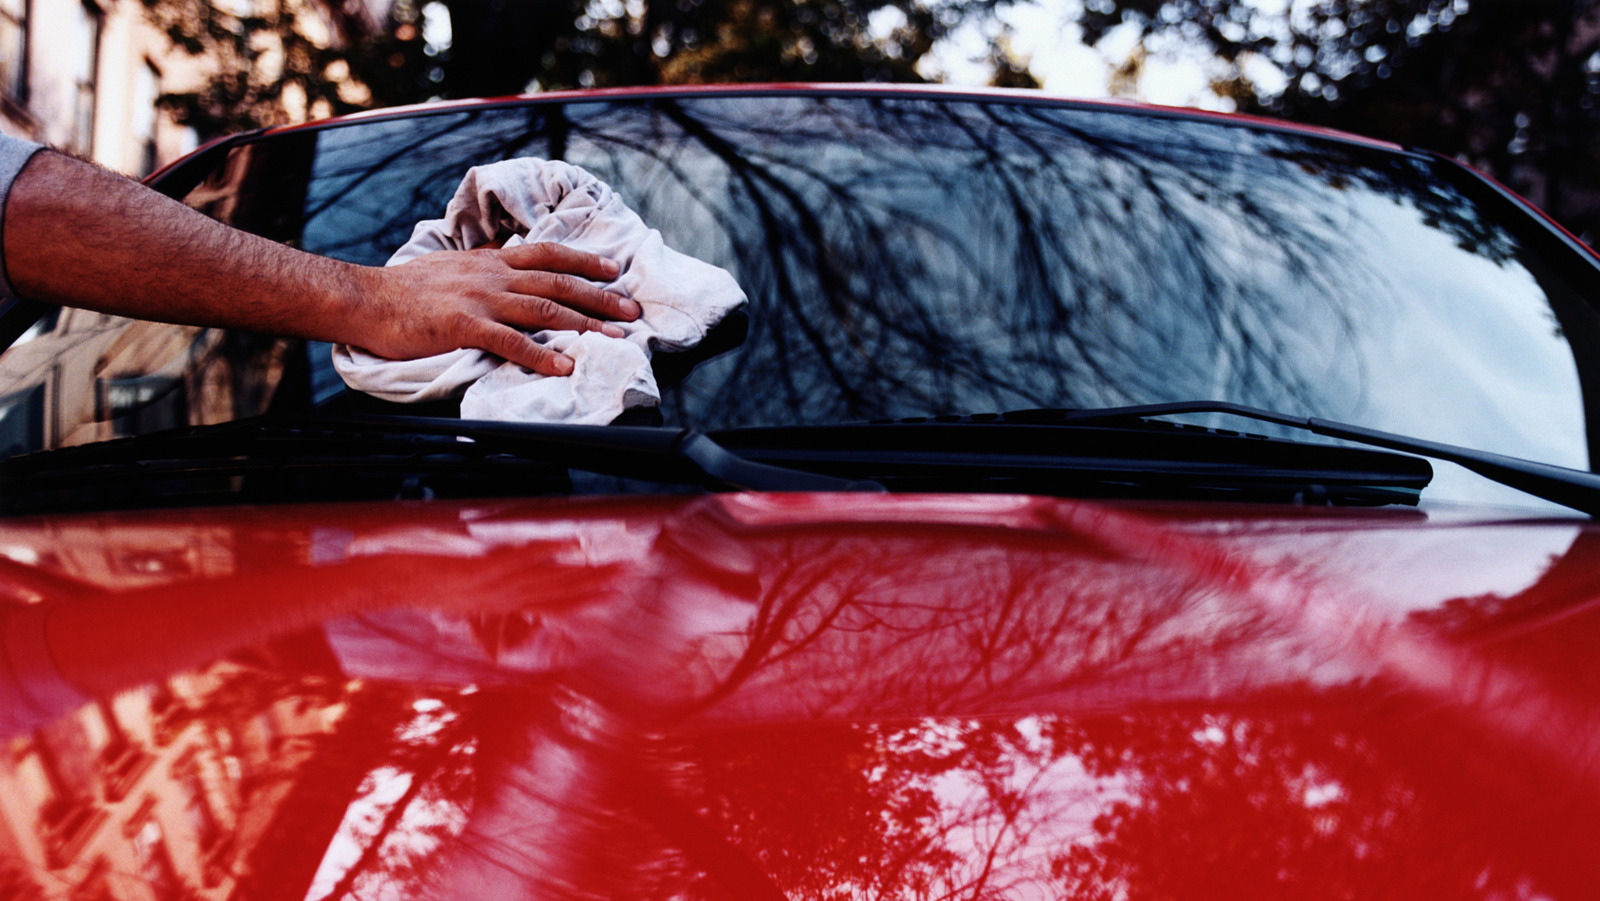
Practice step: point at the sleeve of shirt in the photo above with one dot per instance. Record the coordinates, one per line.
(14, 154)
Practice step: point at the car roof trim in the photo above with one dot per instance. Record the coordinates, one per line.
(940, 92)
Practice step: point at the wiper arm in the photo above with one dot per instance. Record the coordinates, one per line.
(716, 466)
(1572, 488)
(376, 456)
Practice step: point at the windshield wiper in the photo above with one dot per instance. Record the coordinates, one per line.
(1036, 454)
(1572, 488)
(1115, 452)
(376, 457)
(619, 450)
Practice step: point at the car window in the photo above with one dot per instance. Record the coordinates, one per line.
(911, 257)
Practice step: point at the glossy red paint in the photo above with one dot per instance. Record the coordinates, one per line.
(814, 696)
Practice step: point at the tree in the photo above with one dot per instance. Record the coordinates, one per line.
(273, 65)
(1511, 88)
(605, 44)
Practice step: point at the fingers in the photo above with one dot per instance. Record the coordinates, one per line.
(555, 292)
(560, 258)
(512, 345)
(487, 298)
(569, 291)
(536, 313)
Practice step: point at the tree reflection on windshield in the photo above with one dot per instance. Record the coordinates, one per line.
(908, 258)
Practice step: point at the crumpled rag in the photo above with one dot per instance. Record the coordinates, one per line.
(522, 201)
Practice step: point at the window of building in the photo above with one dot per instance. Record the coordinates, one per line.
(197, 807)
(155, 863)
(122, 761)
(67, 753)
(96, 886)
(146, 116)
(86, 73)
(72, 812)
(14, 49)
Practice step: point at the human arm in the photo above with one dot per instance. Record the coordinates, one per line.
(77, 235)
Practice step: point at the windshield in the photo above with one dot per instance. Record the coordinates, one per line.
(912, 256)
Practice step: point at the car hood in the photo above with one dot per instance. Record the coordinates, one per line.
(810, 696)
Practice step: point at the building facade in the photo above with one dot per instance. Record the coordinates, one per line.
(84, 75)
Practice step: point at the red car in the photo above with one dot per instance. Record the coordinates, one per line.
(991, 551)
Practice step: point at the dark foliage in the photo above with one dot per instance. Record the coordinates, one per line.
(1508, 87)
(264, 62)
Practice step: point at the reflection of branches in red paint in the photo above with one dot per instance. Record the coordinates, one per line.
(432, 748)
(926, 622)
(1277, 786)
(872, 733)
(934, 809)
(798, 605)
(1282, 804)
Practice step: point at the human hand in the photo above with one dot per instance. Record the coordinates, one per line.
(486, 299)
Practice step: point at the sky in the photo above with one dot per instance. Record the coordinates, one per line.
(1040, 33)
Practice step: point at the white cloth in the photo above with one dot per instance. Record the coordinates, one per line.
(526, 201)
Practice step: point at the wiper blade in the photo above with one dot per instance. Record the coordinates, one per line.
(1572, 488)
(1128, 458)
(265, 459)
